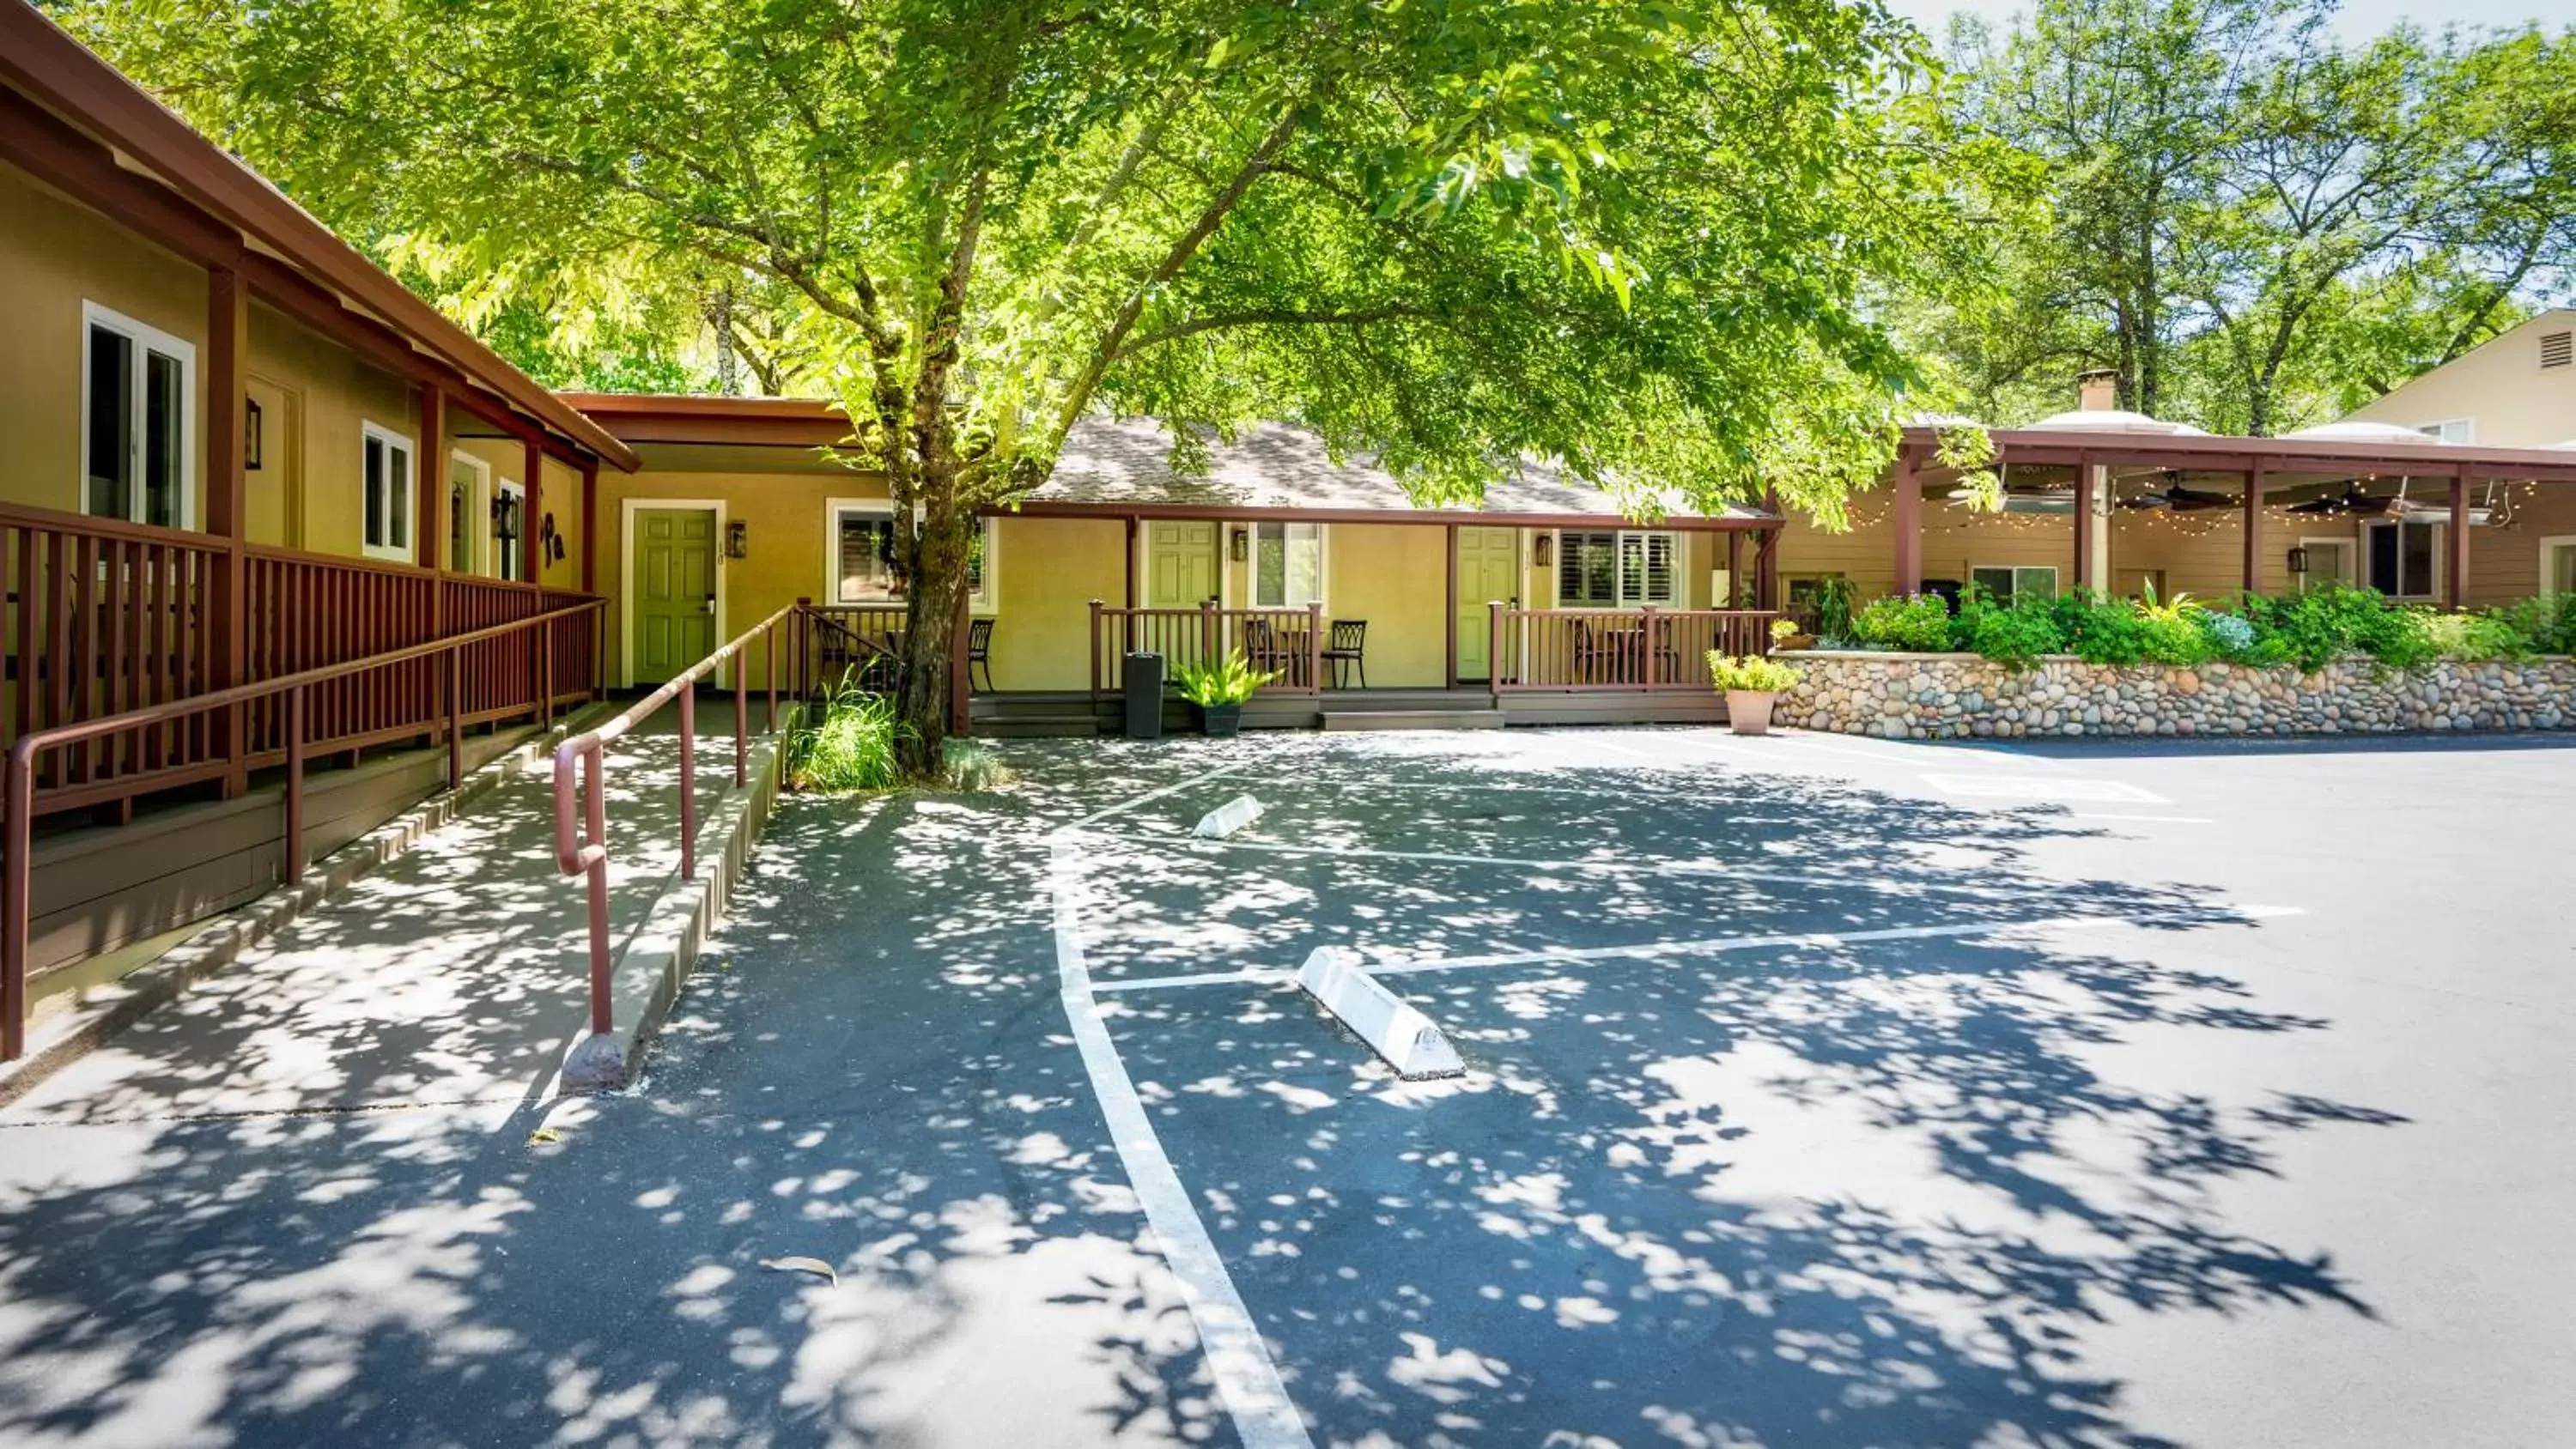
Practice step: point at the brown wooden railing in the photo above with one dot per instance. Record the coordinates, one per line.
(119, 735)
(581, 775)
(105, 617)
(862, 643)
(1575, 650)
(1287, 643)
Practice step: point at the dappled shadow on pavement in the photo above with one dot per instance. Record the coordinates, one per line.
(1831, 1191)
(455, 973)
(861, 1073)
(1852, 1186)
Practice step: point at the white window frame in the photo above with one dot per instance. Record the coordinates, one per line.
(146, 338)
(503, 491)
(2433, 565)
(2348, 548)
(2056, 584)
(478, 511)
(1252, 563)
(2548, 546)
(407, 548)
(984, 600)
(2441, 429)
(1676, 543)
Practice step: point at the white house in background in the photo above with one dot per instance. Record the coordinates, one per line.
(2515, 391)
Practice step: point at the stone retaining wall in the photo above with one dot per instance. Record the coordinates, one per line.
(1925, 696)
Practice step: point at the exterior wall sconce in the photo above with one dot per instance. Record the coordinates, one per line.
(251, 431)
(1544, 551)
(506, 524)
(2298, 560)
(737, 539)
(1240, 545)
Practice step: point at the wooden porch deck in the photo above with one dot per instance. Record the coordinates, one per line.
(1075, 713)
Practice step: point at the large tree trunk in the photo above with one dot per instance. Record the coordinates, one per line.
(930, 628)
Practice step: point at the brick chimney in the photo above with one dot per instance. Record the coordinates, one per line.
(2097, 390)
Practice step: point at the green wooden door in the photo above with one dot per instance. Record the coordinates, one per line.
(675, 590)
(1489, 568)
(1180, 564)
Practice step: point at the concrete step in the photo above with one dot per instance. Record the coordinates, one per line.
(1413, 719)
(1037, 726)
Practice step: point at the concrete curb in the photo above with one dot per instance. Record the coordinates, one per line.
(64, 1037)
(661, 953)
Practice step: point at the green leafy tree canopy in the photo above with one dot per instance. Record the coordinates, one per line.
(1637, 238)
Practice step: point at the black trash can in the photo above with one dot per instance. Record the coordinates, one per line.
(1144, 696)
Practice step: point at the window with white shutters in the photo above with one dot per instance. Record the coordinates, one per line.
(1615, 569)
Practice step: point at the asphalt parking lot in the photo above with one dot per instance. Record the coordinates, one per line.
(1819, 1091)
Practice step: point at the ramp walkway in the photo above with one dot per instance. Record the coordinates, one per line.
(453, 975)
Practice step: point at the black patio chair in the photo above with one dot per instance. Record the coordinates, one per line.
(1346, 648)
(979, 652)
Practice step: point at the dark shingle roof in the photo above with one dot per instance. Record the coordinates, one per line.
(1127, 461)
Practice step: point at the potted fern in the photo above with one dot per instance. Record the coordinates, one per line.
(1752, 685)
(1218, 688)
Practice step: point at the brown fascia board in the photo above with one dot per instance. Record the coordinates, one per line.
(2275, 455)
(1466, 517)
(40, 61)
(681, 418)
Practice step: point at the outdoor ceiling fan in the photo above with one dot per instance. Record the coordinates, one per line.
(2351, 500)
(2180, 499)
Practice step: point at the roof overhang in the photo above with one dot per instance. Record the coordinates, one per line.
(142, 139)
(2216, 454)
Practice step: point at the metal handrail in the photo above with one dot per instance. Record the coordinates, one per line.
(581, 823)
(16, 904)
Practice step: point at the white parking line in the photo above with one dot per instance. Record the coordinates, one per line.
(2044, 788)
(1237, 1357)
(2219, 915)
(2157, 819)
(2038, 891)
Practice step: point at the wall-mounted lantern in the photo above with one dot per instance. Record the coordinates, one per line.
(506, 522)
(1241, 543)
(2298, 561)
(251, 431)
(737, 539)
(1544, 551)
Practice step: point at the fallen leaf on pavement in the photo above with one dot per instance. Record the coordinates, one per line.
(545, 1134)
(815, 1266)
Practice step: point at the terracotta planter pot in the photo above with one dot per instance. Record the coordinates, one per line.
(1748, 711)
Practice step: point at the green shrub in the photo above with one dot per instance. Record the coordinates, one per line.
(1752, 672)
(2014, 635)
(2547, 625)
(1918, 622)
(2318, 627)
(849, 746)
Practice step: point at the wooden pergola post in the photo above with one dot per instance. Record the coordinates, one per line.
(1734, 569)
(2253, 529)
(1766, 563)
(1906, 519)
(228, 508)
(2085, 522)
(2456, 589)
